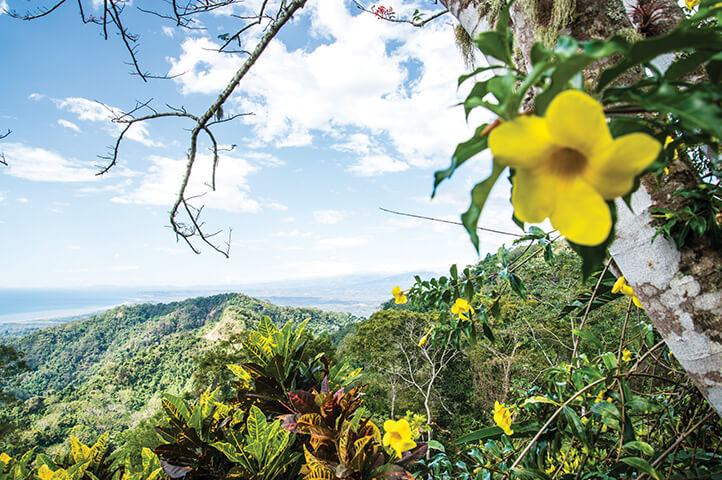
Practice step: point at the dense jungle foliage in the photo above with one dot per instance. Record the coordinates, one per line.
(218, 387)
(107, 372)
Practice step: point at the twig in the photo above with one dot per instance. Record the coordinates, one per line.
(589, 307)
(448, 221)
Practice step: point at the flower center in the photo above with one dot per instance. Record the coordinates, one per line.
(567, 162)
(395, 437)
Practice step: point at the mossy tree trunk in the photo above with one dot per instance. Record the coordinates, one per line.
(681, 290)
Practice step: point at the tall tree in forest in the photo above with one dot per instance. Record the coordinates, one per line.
(680, 288)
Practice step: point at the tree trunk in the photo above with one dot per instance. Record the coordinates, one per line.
(681, 291)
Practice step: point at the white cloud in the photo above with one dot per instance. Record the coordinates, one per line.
(340, 242)
(329, 217)
(376, 164)
(3, 6)
(167, 31)
(276, 206)
(22, 200)
(159, 185)
(354, 81)
(92, 111)
(70, 125)
(357, 143)
(1, 197)
(288, 219)
(42, 165)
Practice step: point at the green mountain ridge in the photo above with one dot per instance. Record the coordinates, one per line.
(108, 371)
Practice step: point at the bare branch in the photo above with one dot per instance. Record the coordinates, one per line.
(3, 161)
(415, 21)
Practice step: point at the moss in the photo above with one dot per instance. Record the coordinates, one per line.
(630, 34)
(615, 11)
(465, 45)
(491, 10)
(549, 18)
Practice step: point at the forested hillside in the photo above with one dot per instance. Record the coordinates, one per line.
(540, 348)
(108, 371)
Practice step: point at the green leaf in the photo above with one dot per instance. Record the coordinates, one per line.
(517, 285)
(644, 51)
(640, 465)
(256, 423)
(436, 445)
(479, 194)
(498, 44)
(176, 409)
(640, 446)
(610, 361)
(479, 435)
(463, 152)
(575, 425)
(588, 336)
(266, 327)
(541, 399)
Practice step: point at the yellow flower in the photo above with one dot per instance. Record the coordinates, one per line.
(461, 307)
(567, 165)
(502, 417)
(425, 338)
(399, 296)
(621, 286)
(398, 436)
(691, 3)
(5, 458)
(626, 355)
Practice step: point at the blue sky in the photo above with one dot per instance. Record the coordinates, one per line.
(351, 113)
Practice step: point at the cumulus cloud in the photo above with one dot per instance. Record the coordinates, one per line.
(40, 165)
(159, 186)
(329, 217)
(375, 164)
(68, 125)
(366, 78)
(91, 111)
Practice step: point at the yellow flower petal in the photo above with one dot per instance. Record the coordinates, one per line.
(533, 195)
(521, 143)
(636, 301)
(621, 282)
(581, 214)
(398, 436)
(611, 172)
(627, 291)
(576, 120)
(399, 296)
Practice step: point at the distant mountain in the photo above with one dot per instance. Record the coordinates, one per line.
(107, 371)
(24, 310)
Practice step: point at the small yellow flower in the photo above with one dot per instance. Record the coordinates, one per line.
(399, 296)
(567, 165)
(461, 307)
(691, 3)
(626, 355)
(502, 417)
(5, 458)
(425, 338)
(621, 286)
(398, 436)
